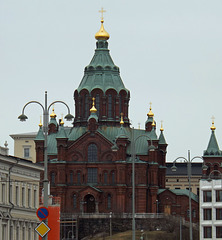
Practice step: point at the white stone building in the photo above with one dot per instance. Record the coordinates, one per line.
(210, 209)
(19, 198)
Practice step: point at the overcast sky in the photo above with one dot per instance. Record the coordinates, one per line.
(169, 53)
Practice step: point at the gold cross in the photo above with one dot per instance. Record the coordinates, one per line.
(150, 105)
(102, 11)
(213, 119)
(93, 99)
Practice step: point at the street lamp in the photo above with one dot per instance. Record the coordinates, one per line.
(133, 155)
(174, 168)
(45, 109)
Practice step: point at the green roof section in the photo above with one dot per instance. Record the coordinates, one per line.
(52, 144)
(153, 135)
(76, 132)
(149, 119)
(102, 73)
(180, 192)
(53, 121)
(40, 136)
(162, 140)
(61, 133)
(93, 115)
(111, 133)
(212, 148)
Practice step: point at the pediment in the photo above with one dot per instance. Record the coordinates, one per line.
(90, 190)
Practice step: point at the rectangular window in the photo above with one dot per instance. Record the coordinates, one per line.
(35, 198)
(11, 231)
(30, 233)
(218, 195)
(92, 175)
(218, 232)
(29, 197)
(23, 233)
(3, 193)
(10, 192)
(207, 232)
(218, 213)
(23, 197)
(26, 152)
(3, 231)
(17, 233)
(17, 195)
(207, 196)
(207, 213)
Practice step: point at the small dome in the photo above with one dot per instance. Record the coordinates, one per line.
(93, 109)
(102, 34)
(53, 115)
(213, 127)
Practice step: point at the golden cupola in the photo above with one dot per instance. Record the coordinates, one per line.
(102, 34)
(150, 113)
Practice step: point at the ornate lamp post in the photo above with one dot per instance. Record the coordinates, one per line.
(174, 168)
(45, 109)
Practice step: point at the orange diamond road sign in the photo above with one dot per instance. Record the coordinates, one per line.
(42, 229)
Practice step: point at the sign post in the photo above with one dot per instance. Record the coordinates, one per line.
(42, 229)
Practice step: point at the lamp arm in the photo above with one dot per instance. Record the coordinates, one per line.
(180, 158)
(23, 110)
(196, 157)
(59, 102)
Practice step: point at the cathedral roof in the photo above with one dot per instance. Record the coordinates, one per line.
(101, 73)
(110, 133)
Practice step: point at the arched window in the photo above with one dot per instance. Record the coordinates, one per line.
(86, 107)
(92, 153)
(71, 177)
(74, 201)
(52, 178)
(113, 177)
(78, 178)
(105, 178)
(97, 104)
(120, 105)
(109, 201)
(194, 213)
(110, 106)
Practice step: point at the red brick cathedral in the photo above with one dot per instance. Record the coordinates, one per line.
(90, 164)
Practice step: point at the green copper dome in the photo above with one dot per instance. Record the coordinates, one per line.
(102, 73)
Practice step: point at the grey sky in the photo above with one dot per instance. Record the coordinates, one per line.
(169, 53)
